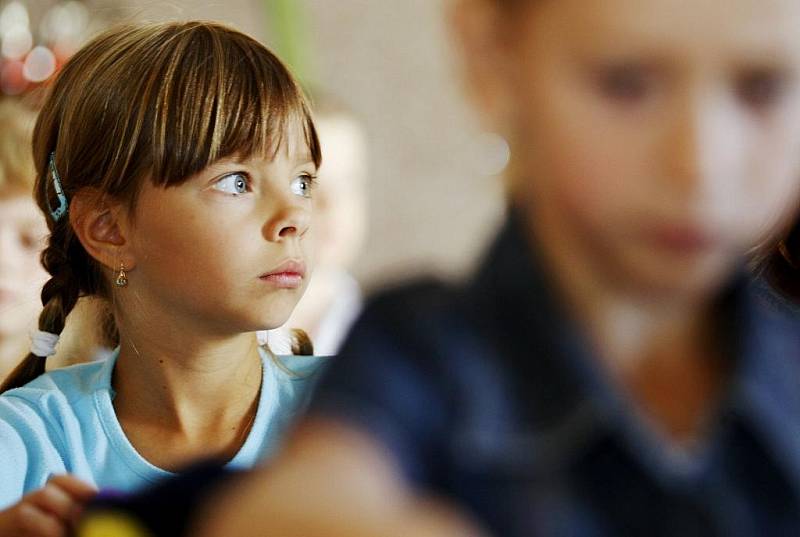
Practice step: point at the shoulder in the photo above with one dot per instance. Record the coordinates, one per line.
(51, 403)
(779, 318)
(771, 299)
(412, 300)
(299, 368)
(38, 424)
(423, 323)
(414, 314)
(401, 351)
(70, 383)
(293, 378)
(398, 349)
(395, 374)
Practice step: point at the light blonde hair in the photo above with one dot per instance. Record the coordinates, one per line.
(17, 172)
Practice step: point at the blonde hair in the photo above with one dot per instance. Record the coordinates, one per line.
(156, 102)
(17, 172)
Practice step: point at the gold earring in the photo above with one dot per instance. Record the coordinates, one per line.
(122, 277)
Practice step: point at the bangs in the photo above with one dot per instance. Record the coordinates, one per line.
(162, 102)
(219, 93)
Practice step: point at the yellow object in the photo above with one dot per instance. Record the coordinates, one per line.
(111, 524)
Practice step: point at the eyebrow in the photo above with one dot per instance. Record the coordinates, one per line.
(301, 159)
(304, 156)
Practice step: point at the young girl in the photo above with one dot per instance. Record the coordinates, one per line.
(175, 164)
(610, 370)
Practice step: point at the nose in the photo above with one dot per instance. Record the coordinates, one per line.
(704, 147)
(289, 219)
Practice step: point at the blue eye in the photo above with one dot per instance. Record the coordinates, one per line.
(302, 185)
(234, 184)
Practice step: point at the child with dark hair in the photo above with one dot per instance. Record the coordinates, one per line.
(175, 167)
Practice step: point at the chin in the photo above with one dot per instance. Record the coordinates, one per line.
(271, 320)
(678, 279)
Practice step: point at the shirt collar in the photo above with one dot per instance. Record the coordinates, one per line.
(570, 402)
(765, 395)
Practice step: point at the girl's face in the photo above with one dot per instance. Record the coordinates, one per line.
(227, 248)
(22, 235)
(659, 139)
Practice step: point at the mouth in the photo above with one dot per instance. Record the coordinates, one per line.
(289, 275)
(683, 240)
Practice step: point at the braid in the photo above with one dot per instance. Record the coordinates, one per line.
(59, 296)
(62, 290)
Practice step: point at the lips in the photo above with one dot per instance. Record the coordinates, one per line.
(685, 240)
(288, 275)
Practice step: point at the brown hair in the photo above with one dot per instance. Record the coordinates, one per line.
(781, 265)
(161, 101)
(16, 162)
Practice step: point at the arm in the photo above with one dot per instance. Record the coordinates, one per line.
(28, 459)
(331, 481)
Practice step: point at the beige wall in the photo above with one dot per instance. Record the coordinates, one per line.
(390, 61)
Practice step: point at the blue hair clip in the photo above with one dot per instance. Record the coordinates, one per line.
(63, 205)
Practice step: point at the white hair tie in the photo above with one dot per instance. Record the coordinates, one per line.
(43, 344)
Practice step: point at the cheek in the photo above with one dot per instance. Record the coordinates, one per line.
(181, 249)
(772, 207)
(592, 158)
(771, 198)
(595, 174)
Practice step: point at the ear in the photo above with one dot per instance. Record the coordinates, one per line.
(102, 225)
(479, 28)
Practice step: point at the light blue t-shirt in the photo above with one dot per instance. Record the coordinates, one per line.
(64, 422)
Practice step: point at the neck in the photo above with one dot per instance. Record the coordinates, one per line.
(186, 387)
(650, 346)
(179, 402)
(190, 384)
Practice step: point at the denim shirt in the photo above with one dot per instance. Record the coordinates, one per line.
(488, 394)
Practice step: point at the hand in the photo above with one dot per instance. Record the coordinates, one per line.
(49, 511)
